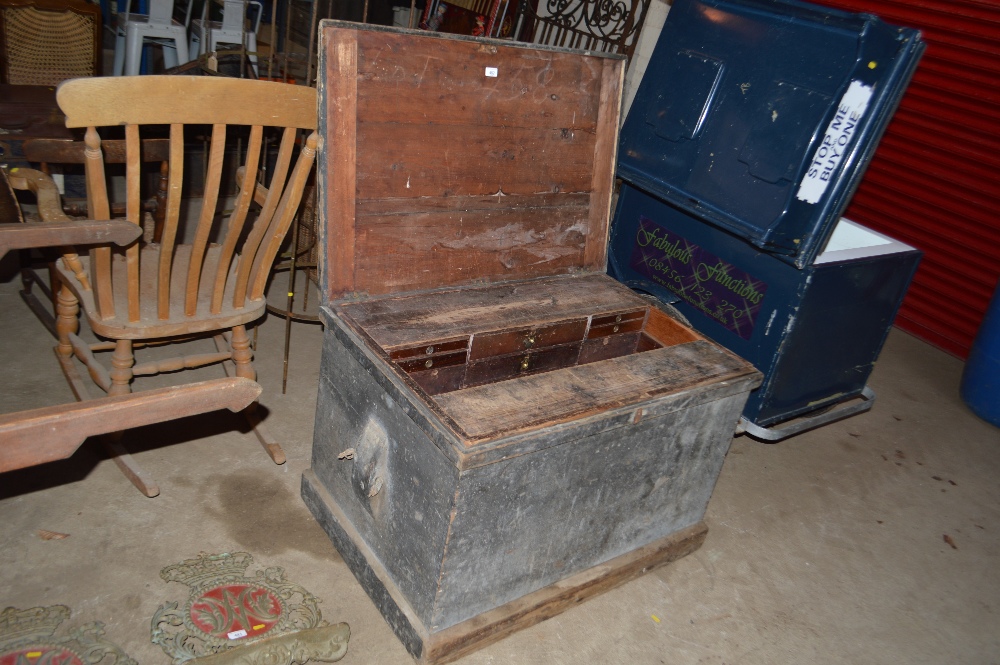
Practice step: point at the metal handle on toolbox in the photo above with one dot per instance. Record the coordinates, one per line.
(779, 433)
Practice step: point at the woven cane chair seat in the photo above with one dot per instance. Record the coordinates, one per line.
(45, 42)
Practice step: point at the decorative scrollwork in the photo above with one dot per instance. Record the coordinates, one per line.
(31, 636)
(227, 608)
(604, 25)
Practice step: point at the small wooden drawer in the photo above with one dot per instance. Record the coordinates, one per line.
(476, 359)
(440, 380)
(433, 362)
(486, 345)
(430, 349)
(614, 324)
(506, 367)
(609, 346)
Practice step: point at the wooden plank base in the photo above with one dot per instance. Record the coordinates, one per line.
(449, 644)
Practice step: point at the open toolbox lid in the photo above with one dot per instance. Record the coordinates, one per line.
(453, 161)
(760, 116)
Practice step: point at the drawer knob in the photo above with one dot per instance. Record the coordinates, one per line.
(525, 363)
(430, 350)
(615, 329)
(429, 363)
(529, 341)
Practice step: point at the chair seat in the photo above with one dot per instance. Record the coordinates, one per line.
(149, 324)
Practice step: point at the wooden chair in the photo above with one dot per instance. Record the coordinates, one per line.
(42, 435)
(43, 42)
(171, 291)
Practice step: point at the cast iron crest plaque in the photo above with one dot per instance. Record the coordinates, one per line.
(226, 609)
(28, 637)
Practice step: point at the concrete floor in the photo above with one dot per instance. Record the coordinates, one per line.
(827, 548)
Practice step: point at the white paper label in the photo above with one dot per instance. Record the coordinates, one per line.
(236, 634)
(492, 72)
(835, 142)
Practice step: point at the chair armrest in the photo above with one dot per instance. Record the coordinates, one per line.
(52, 433)
(57, 234)
(56, 228)
(45, 190)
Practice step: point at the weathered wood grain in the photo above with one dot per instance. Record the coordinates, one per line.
(416, 318)
(417, 147)
(435, 647)
(412, 161)
(498, 409)
(410, 252)
(444, 82)
(605, 157)
(462, 639)
(28, 438)
(561, 204)
(338, 90)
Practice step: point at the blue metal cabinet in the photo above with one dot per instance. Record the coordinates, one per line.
(746, 139)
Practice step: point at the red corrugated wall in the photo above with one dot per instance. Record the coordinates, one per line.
(935, 179)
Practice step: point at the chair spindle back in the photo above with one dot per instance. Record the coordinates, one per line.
(215, 275)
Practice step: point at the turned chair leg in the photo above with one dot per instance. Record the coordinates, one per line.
(67, 321)
(239, 343)
(121, 368)
(242, 355)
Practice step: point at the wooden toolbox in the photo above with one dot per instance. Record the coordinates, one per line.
(502, 430)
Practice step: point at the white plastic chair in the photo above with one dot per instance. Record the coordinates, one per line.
(230, 30)
(134, 29)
